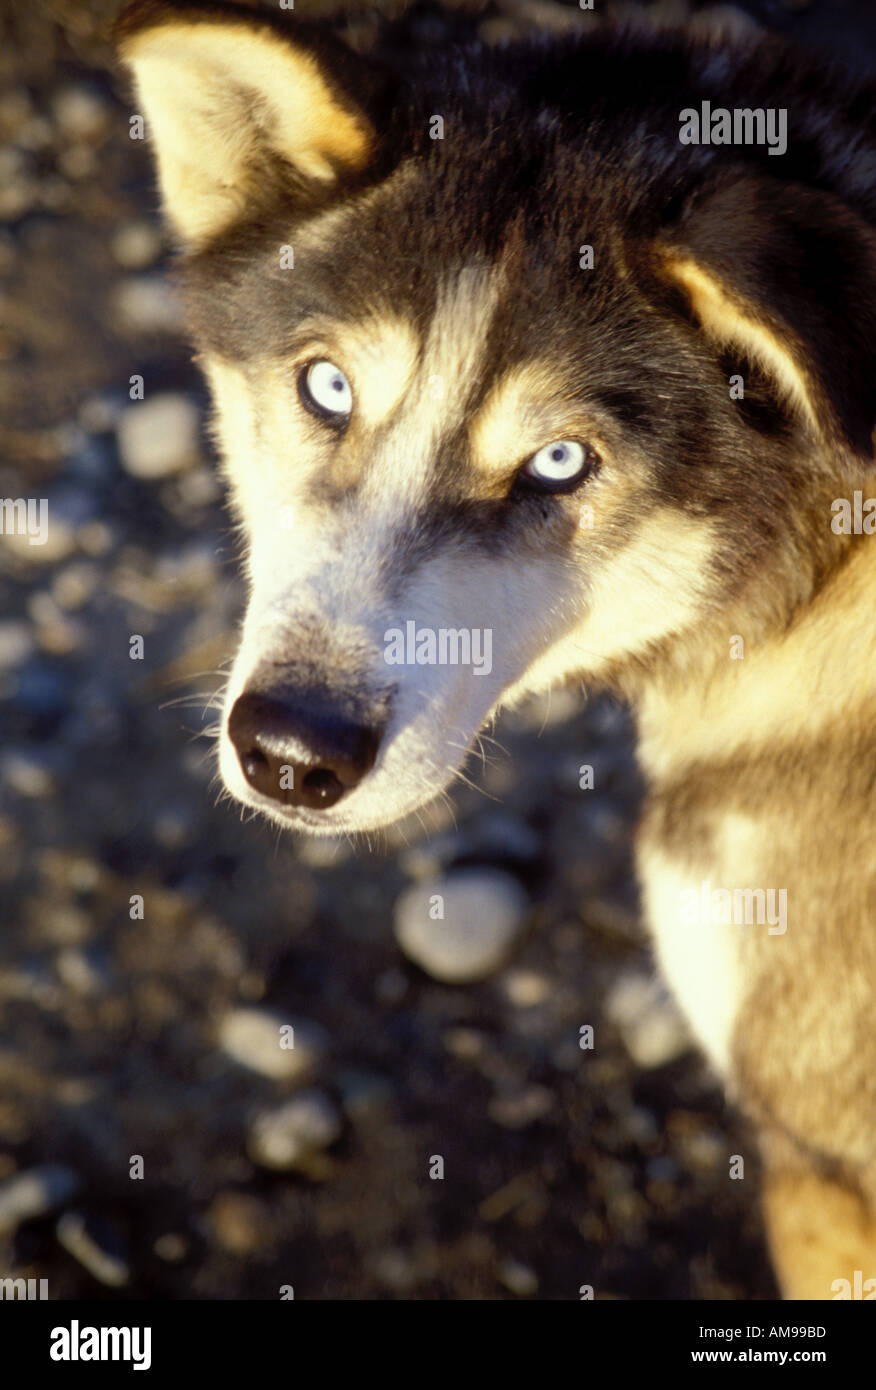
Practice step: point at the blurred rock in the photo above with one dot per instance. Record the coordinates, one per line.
(146, 304)
(171, 1247)
(255, 1039)
(290, 1135)
(483, 916)
(79, 112)
(25, 773)
(57, 633)
(77, 162)
(96, 1245)
(58, 539)
(524, 989)
(136, 245)
(518, 1278)
(395, 1268)
(75, 585)
(653, 1030)
(16, 643)
(240, 1222)
(34, 1193)
(81, 972)
(159, 436)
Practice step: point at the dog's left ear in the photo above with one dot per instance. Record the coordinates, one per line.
(786, 274)
(231, 97)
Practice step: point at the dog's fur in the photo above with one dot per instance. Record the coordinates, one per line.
(443, 276)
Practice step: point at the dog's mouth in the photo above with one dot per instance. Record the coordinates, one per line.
(357, 814)
(329, 765)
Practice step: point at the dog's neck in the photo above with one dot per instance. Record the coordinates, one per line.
(776, 689)
(779, 687)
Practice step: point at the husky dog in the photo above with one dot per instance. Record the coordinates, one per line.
(518, 341)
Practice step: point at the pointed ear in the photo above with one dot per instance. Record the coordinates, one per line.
(230, 101)
(787, 275)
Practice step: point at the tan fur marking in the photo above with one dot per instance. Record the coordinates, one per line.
(819, 1233)
(652, 587)
(728, 322)
(790, 688)
(523, 412)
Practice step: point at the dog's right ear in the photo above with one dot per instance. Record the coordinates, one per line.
(231, 98)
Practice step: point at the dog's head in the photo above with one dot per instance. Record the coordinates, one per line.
(475, 336)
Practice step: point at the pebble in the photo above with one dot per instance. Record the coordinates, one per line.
(16, 644)
(33, 1193)
(95, 538)
(253, 1038)
(171, 1247)
(525, 989)
(59, 539)
(288, 1135)
(518, 1278)
(79, 112)
(240, 1222)
(24, 774)
(96, 1246)
(78, 162)
(484, 916)
(395, 1268)
(80, 972)
(653, 1030)
(136, 245)
(146, 304)
(76, 584)
(158, 436)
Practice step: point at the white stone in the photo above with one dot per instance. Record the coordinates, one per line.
(484, 915)
(159, 436)
(33, 1193)
(645, 1014)
(147, 304)
(287, 1135)
(255, 1038)
(136, 245)
(16, 644)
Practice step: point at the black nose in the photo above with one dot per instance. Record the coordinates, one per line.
(298, 749)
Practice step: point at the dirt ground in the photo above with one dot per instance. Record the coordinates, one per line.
(562, 1166)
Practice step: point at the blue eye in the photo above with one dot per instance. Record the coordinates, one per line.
(559, 465)
(326, 391)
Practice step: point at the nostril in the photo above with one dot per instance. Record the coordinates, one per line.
(253, 763)
(322, 787)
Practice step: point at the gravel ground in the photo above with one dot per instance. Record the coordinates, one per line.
(426, 1136)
